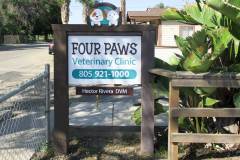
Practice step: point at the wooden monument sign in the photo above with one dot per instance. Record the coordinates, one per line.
(87, 56)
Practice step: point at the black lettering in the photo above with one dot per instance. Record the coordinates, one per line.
(74, 47)
(114, 49)
(107, 47)
(97, 47)
(83, 48)
(89, 48)
(133, 47)
(123, 49)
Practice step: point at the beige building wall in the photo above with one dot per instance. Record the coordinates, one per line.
(168, 29)
(198, 28)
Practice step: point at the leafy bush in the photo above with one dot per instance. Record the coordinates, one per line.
(213, 49)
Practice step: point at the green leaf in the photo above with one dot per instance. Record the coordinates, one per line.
(236, 100)
(206, 16)
(195, 48)
(172, 14)
(200, 104)
(199, 4)
(196, 60)
(158, 108)
(220, 38)
(158, 63)
(235, 68)
(230, 8)
(155, 89)
(194, 64)
(182, 45)
(194, 14)
(198, 43)
(181, 122)
(236, 46)
(209, 101)
(234, 29)
(203, 91)
(137, 116)
(187, 91)
(174, 60)
(185, 123)
(208, 91)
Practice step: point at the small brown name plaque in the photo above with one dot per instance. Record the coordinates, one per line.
(104, 91)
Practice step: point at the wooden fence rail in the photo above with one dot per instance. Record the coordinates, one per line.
(188, 79)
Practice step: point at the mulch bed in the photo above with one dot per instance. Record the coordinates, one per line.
(98, 148)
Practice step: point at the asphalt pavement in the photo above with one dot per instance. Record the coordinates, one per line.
(21, 62)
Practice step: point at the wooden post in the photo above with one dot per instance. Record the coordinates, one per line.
(61, 106)
(172, 122)
(147, 125)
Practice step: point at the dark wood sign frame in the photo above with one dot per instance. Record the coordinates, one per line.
(61, 87)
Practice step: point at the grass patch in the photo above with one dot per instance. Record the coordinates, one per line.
(161, 144)
(45, 152)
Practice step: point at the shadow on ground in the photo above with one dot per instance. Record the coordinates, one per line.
(20, 47)
(125, 148)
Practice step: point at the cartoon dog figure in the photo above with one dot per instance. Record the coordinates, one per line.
(112, 17)
(96, 17)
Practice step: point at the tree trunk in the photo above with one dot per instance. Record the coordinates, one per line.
(84, 13)
(45, 37)
(65, 11)
(123, 11)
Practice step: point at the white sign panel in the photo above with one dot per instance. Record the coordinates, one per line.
(104, 60)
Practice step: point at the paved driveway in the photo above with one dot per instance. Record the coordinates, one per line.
(21, 62)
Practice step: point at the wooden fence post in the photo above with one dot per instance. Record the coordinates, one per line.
(187, 79)
(172, 122)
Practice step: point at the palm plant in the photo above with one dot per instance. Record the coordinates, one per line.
(64, 4)
(213, 49)
(65, 11)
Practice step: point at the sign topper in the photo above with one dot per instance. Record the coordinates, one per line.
(104, 14)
